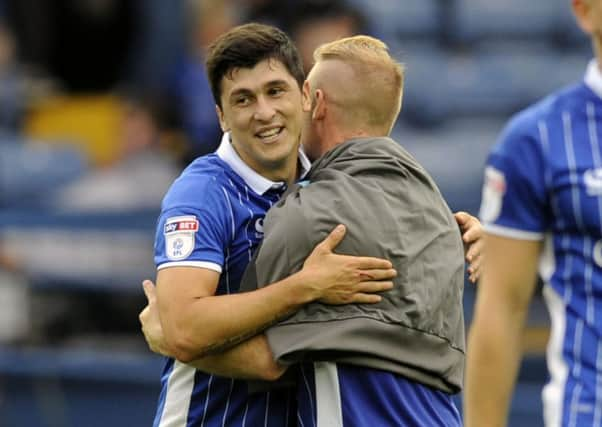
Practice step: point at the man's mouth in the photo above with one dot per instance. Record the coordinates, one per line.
(269, 135)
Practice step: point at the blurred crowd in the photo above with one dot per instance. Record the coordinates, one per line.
(131, 65)
(102, 103)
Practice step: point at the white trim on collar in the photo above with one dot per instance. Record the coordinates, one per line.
(593, 77)
(257, 182)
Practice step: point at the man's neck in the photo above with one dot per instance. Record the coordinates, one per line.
(344, 136)
(333, 136)
(286, 174)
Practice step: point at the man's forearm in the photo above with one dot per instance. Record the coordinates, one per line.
(251, 359)
(494, 344)
(492, 364)
(212, 324)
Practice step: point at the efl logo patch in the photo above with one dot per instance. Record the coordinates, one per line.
(179, 234)
(494, 189)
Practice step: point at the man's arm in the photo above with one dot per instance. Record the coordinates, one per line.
(494, 343)
(251, 359)
(197, 323)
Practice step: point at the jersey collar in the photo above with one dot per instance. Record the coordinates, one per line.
(593, 77)
(258, 183)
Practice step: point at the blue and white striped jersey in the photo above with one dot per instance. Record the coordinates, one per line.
(543, 181)
(212, 217)
(339, 395)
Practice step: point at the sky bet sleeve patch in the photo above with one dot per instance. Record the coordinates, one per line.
(180, 232)
(494, 188)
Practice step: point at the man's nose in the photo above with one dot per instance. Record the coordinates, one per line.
(264, 111)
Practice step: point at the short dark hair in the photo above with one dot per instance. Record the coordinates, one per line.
(245, 46)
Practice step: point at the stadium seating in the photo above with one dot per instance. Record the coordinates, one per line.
(77, 388)
(472, 21)
(29, 170)
(496, 81)
(402, 19)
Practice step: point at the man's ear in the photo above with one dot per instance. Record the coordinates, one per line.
(222, 119)
(319, 110)
(306, 94)
(582, 10)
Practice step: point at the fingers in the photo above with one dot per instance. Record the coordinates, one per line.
(366, 299)
(462, 218)
(149, 290)
(471, 227)
(378, 274)
(362, 292)
(370, 263)
(333, 239)
(365, 293)
(474, 270)
(143, 315)
(372, 287)
(472, 234)
(474, 278)
(474, 251)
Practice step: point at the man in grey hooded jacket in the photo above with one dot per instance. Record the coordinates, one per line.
(411, 343)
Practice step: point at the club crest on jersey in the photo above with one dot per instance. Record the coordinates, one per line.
(593, 181)
(494, 189)
(259, 227)
(255, 227)
(179, 234)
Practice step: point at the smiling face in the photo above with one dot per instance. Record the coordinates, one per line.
(261, 107)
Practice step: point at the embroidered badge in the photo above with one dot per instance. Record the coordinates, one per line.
(259, 226)
(494, 189)
(179, 234)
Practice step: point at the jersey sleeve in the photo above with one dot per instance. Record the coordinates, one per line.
(514, 199)
(193, 236)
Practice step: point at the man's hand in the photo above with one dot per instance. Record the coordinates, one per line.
(343, 279)
(472, 236)
(151, 324)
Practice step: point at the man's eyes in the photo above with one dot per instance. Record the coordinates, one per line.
(242, 100)
(275, 91)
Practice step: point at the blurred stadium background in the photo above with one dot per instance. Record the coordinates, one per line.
(102, 102)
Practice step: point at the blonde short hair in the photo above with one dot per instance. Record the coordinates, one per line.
(379, 77)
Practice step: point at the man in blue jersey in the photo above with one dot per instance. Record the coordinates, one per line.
(210, 224)
(542, 207)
